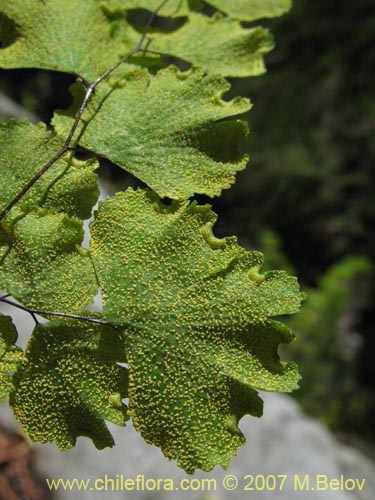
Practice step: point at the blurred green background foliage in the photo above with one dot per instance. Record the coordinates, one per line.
(306, 199)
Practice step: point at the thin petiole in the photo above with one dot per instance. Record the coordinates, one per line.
(40, 312)
(34, 318)
(90, 89)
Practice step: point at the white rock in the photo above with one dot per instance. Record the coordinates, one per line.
(284, 441)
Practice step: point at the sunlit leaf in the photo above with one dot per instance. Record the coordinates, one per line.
(250, 10)
(69, 383)
(10, 355)
(196, 316)
(173, 8)
(74, 36)
(45, 266)
(229, 49)
(167, 130)
(69, 186)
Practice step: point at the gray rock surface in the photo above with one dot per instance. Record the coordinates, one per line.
(284, 441)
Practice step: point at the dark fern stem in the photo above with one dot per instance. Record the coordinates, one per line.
(40, 312)
(90, 88)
